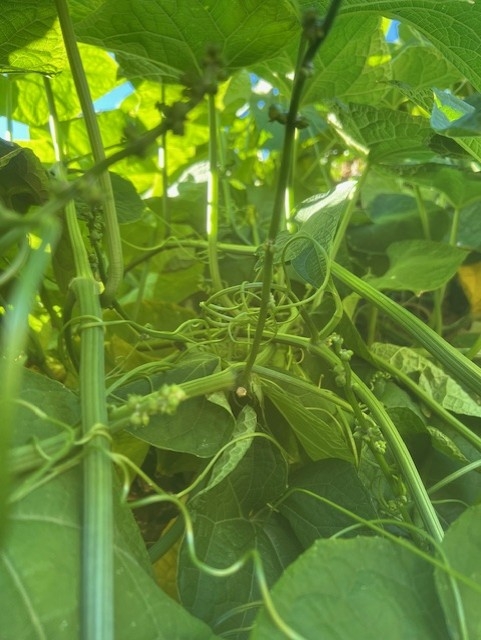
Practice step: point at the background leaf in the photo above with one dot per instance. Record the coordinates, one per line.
(419, 265)
(320, 216)
(198, 426)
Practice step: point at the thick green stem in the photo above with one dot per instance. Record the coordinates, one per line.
(315, 36)
(454, 362)
(112, 232)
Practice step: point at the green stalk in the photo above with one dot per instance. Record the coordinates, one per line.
(454, 362)
(97, 601)
(112, 232)
(12, 347)
(315, 35)
(32, 456)
(396, 444)
(212, 213)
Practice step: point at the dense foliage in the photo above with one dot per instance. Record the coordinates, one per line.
(240, 327)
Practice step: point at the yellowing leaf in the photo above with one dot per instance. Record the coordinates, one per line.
(470, 279)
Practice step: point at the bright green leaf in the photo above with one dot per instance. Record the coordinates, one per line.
(308, 249)
(30, 38)
(454, 117)
(312, 417)
(430, 378)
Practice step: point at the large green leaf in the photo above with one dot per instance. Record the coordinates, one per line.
(353, 64)
(462, 547)
(362, 588)
(30, 38)
(228, 523)
(460, 186)
(40, 578)
(168, 39)
(446, 26)
(454, 117)
(419, 265)
(373, 129)
(335, 480)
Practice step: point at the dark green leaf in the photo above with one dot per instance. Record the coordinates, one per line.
(312, 518)
(199, 426)
(227, 526)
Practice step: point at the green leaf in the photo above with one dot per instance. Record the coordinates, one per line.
(362, 588)
(458, 22)
(128, 203)
(312, 417)
(454, 117)
(462, 547)
(40, 579)
(460, 186)
(23, 180)
(419, 265)
(30, 104)
(229, 522)
(158, 38)
(335, 480)
(354, 64)
(320, 216)
(199, 426)
(422, 66)
(50, 408)
(374, 129)
(245, 425)
(30, 39)
(430, 378)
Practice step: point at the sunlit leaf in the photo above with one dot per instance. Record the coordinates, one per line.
(30, 38)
